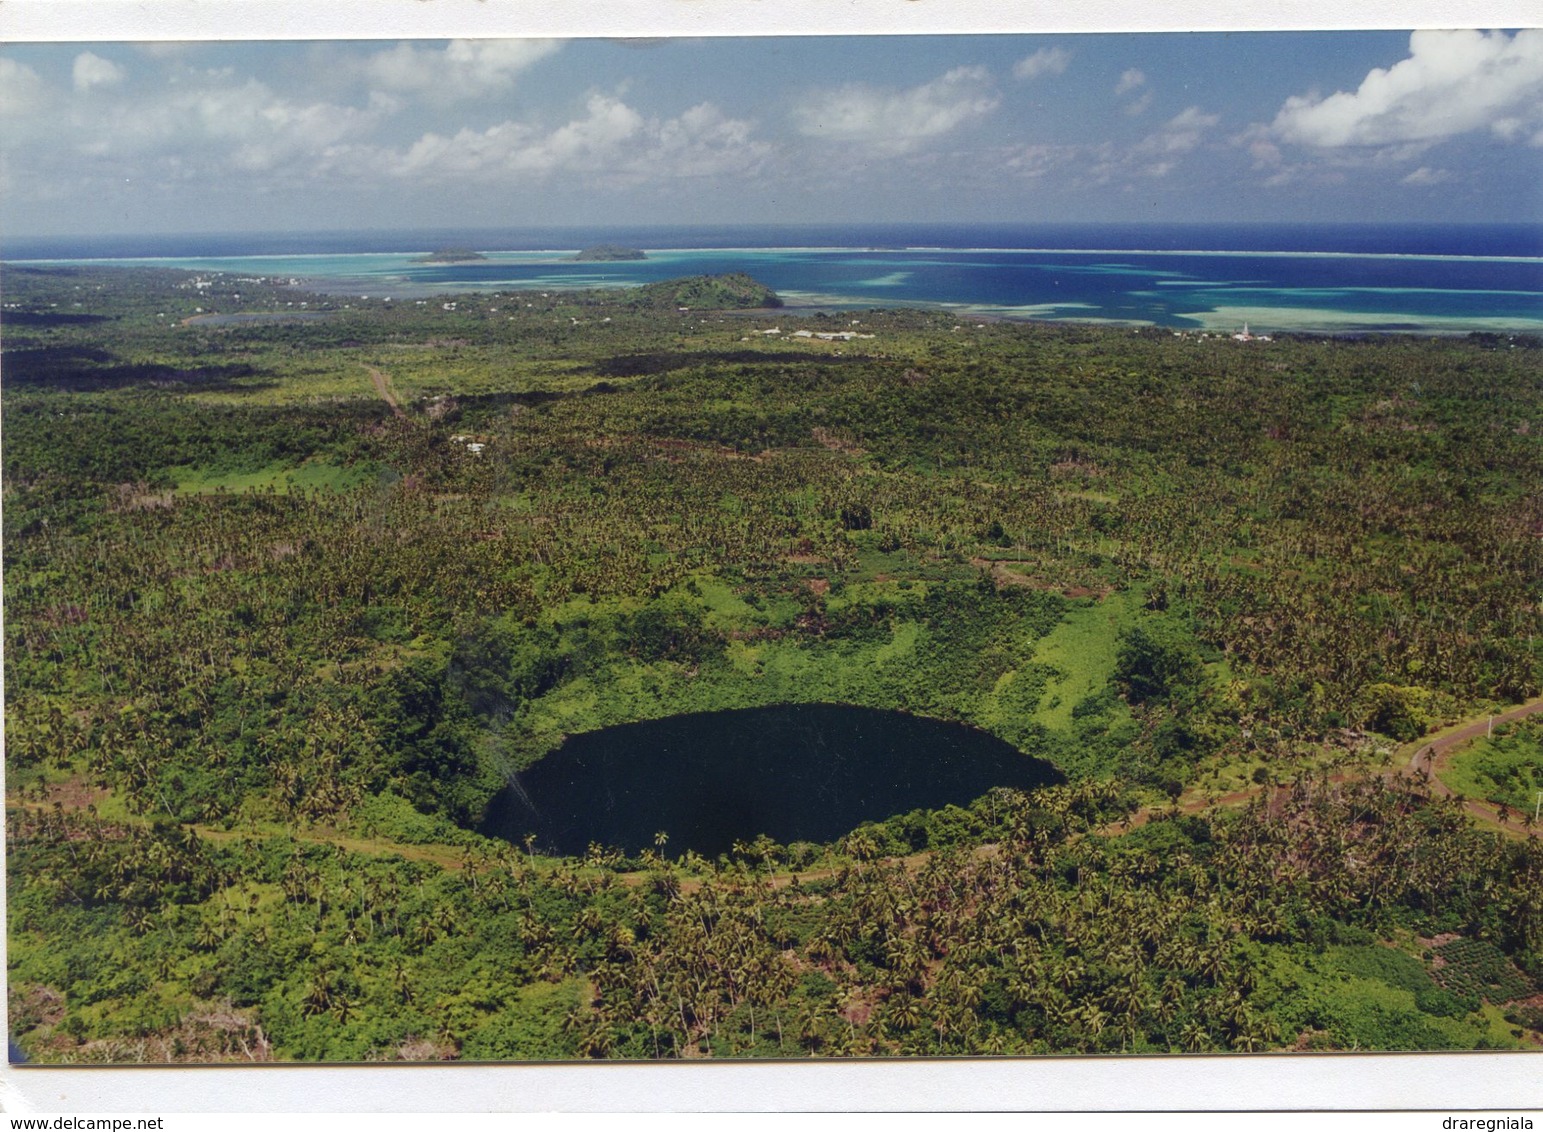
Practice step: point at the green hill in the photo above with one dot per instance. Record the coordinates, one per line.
(451, 255)
(707, 292)
(608, 253)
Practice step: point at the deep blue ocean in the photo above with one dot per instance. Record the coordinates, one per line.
(1336, 278)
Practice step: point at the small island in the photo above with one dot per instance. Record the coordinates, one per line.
(608, 253)
(451, 255)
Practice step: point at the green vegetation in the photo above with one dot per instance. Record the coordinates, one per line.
(1080, 655)
(310, 474)
(1477, 967)
(608, 253)
(272, 644)
(452, 255)
(1505, 768)
(1163, 941)
(734, 291)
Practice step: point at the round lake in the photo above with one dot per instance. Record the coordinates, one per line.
(797, 772)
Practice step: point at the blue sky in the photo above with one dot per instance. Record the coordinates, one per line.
(1341, 126)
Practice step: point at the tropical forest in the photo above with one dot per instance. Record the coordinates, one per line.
(671, 673)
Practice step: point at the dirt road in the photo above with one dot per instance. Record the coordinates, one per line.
(1431, 756)
(382, 385)
(1426, 754)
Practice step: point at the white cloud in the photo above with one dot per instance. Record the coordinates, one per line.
(1045, 61)
(463, 68)
(1158, 154)
(1032, 162)
(895, 121)
(1181, 133)
(1333, 166)
(610, 143)
(1129, 81)
(515, 147)
(205, 123)
(1101, 163)
(208, 126)
(1453, 82)
(22, 90)
(1517, 129)
(283, 132)
(1139, 106)
(1508, 128)
(163, 49)
(702, 142)
(92, 70)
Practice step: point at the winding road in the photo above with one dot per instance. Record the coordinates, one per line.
(1427, 755)
(1432, 755)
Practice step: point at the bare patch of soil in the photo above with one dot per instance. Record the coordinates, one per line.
(1074, 467)
(382, 386)
(836, 443)
(1004, 575)
(73, 794)
(422, 1049)
(140, 497)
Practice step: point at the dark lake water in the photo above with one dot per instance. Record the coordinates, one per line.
(799, 772)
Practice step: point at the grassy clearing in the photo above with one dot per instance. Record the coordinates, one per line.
(465, 371)
(1371, 997)
(1506, 768)
(755, 675)
(726, 609)
(285, 379)
(1081, 651)
(903, 661)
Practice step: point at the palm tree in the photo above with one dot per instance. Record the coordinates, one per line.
(319, 998)
(1195, 1036)
(904, 1012)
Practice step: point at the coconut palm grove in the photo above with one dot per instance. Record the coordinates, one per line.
(1149, 690)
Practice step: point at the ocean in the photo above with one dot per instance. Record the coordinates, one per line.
(1319, 278)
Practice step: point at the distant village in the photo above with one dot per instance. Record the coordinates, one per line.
(824, 336)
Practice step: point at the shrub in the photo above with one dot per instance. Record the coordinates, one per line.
(1157, 658)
